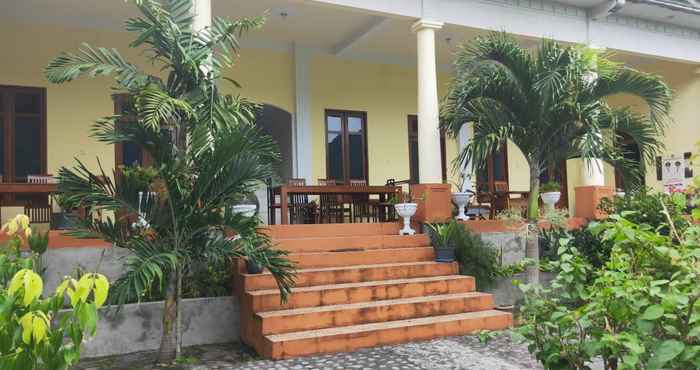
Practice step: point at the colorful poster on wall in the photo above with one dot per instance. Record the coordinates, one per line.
(675, 171)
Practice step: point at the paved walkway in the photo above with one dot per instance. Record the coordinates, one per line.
(500, 353)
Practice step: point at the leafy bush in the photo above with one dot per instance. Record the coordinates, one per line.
(638, 311)
(476, 257)
(646, 207)
(33, 335)
(549, 187)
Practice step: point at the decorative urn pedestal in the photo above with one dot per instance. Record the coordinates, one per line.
(246, 210)
(406, 210)
(550, 198)
(461, 200)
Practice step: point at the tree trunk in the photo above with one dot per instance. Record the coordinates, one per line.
(168, 342)
(532, 247)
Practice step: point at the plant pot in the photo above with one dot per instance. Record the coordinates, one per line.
(461, 200)
(445, 255)
(620, 194)
(245, 210)
(550, 198)
(253, 267)
(406, 210)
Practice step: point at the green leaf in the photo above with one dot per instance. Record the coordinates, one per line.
(653, 312)
(665, 352)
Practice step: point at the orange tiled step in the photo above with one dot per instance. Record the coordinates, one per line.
(362, 257)
(332, 230)
(324, 244)
(349, 338)
(353, 274)
(324, 295)
(312, 318)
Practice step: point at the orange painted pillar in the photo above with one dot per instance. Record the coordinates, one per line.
(588, 198)
(434, 202)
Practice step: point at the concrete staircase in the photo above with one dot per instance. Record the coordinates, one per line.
(359, 285)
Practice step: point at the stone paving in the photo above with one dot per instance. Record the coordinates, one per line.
(468, 353)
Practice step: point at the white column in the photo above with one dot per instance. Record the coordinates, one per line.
(592, 172)
(467, 170)
(202, 14)
(429, 164)
(302, 123)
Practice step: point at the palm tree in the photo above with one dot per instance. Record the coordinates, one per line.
(206, 151)
(552, 104)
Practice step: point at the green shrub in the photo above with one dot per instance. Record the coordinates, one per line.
(476, 257)
(639, 311)
(646, 207)
(551, 186)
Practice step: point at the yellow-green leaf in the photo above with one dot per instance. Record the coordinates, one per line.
(17, 281)
(26, 322)
(33, 286)
(101, 289)
(40, 327)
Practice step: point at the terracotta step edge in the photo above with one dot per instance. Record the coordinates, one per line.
(361, 284)
(354, 267)
(355, 329)
(359, 250)
(380, 303)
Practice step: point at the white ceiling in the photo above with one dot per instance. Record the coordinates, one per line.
(648, 12)
(327, 29)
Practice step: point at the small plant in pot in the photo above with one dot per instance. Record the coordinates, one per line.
(253, 248)
(406, 207)
(443, 237)
(551, 193)
(247, 205)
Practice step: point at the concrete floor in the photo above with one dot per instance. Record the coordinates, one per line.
(500, 353)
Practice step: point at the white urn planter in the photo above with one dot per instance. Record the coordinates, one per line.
(246, 210)
(406, 210)
(550, 198)
(461, 200)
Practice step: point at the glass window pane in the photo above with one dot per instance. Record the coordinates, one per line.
(2, 147)
(334, 124)
(354, 125)
(335, 156)
(27, 103)
(499, 166)
(413, 153)
(132, 155)
(27, 146)
(357, 157)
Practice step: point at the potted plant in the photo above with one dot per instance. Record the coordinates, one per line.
(461, 198)
(550, 193)
(443, 238)
(254, 252)
(405, 207)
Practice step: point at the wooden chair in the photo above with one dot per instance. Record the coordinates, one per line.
(272, 205)
(362, 206)
(300, 209)
(40, 210)
(331, 206)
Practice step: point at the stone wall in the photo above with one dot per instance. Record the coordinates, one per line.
(138, 327)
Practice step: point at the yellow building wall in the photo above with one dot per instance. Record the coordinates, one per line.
(388, 93)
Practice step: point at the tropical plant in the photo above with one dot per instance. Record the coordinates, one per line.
(639, 311)
(476, 257)
(644, 206)
(34, 334)
(550, 103)
(21, 235)
(444, 235)
(551, 186)
(206, 153)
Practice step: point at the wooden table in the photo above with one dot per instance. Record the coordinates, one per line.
(285, 190)
(27, 188)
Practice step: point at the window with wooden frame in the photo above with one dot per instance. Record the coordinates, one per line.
(22, 138)
(494, 176)
(127, 154)
(413, 152)
(346, 145)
